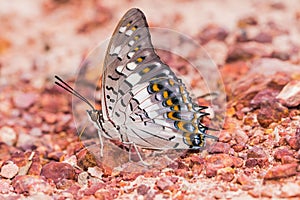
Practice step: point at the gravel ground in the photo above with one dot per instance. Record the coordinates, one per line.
(256, 47)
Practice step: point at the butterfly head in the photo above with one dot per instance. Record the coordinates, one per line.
(95, 115)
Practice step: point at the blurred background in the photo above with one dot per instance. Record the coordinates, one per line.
(256, 47)
(53, 36)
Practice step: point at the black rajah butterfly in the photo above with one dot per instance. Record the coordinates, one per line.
(143, 103)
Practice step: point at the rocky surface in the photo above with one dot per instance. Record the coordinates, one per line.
(257, 155)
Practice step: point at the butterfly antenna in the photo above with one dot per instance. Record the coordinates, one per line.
(212, 129)
(208, 135)
(68, 88)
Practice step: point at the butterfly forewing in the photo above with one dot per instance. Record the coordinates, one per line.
(142, 98)
(130, 34)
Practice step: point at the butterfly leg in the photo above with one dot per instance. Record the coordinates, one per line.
(137, 151)
(101, 142)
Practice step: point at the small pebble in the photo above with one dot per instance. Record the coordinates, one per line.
(271, 112)
(290, 94)
(35, 132)
(280, 153)
(25, 100)
(82, 178)
(8, 135)
(9, 170)
(263, 37)
(143, 189)
(5, 186)
(280, 55)
(95, 172)
(243, 179)
(31, 185)
(224, 136)
(282, 171)
(58, 171)
(240, 136)
(247, 50)
(212, 31)
(164, 183)
(219, 147)
(256, 152)
(226, 174)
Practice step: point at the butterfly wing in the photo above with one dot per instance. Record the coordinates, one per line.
(142, 96)
(130, 33)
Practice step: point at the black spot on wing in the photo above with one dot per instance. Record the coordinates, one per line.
(113, 78)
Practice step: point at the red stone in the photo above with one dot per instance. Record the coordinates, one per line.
(240, 136)
(224, 160)
(279, 80)
(294, 143)
(27, 184)
(247, 50)
(251, 162)
(54, 103)
(271, 112)
(164, 183)
(226, 174)
(64, 184)
(5, 186)
(9, 170)
(58, 171)
(263, 37)
(224, 136)
(211, 170)
(280, 55)
(280, 153)
(104, 194)
(73, 189)
(263, 97)
(282, 171)
(217, 161)
(50, 118)
(25, 100)
(36, 165)
(290, 94)
(143, 189)
(290, 190)
(238, 162)
(245, 180)
(238, 147)
(256, 152)
(5, 152)
(212, 31)
(8, 135)
(288, 159)
(246, 21)
(86, 159)
(219, 147)
(196, 159)
(92, 189)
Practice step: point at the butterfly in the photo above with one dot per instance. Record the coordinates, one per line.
(144, 104)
